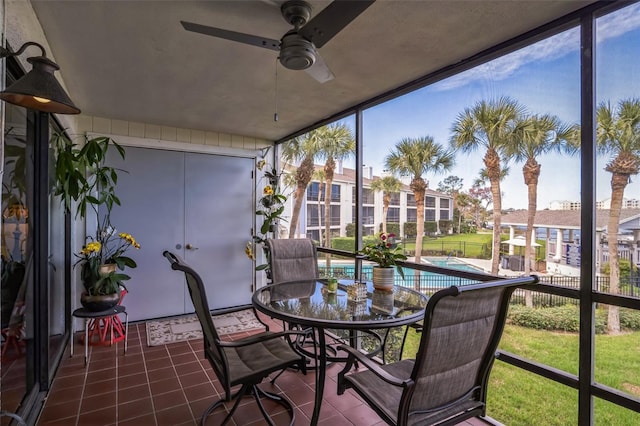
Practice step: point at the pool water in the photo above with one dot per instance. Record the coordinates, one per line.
(451, 263)
(427, 279)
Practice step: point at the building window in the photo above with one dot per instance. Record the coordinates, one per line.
(429, 215)
(412, 215)
(393, 215)
(444, 203)
(313, 191)
(429, 201)
(367, 196)
(335, 193)
(368, 215)
(444, 214)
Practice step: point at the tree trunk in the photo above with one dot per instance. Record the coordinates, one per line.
(418, 190)
(327, 220)
(329, 167)
(618, 183)
(531, 172)
(492, 166)
(385, 211)
(303, 177)
(320, 189)
(298, 196)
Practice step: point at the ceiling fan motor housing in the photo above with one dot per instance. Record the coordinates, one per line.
(296, 53)
(296, 12)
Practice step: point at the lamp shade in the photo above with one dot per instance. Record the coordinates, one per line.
(39, 89)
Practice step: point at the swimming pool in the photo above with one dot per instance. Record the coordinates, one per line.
(427, 279)
(452, 263)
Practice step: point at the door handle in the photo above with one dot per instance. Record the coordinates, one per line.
(190, 247)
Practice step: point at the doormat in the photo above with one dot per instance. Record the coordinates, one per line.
(187, 327)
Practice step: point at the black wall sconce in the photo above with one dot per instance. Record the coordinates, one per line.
(38, 89)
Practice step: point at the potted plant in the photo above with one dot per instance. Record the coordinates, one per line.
(100, 258)
(385, 252)
(83, 177)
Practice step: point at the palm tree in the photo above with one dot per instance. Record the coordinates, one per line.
(415, 157)
(618, 136)
(335, 143)
(388, 185)
(538, 135)
(535, 136)
(303, 149)
(490, 125)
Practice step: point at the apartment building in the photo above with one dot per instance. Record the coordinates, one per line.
(402, 206)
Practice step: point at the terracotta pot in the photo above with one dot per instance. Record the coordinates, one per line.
(99, 303)
(383, 278)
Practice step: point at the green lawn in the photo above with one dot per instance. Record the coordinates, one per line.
(476, 246)
(464, 245)
(517, 397)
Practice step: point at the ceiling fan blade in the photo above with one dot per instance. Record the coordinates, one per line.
(332, 19)
(267, 43)
(320, 70)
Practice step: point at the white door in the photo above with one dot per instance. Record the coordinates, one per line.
(172, 200)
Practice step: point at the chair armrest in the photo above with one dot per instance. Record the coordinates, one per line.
(373, 366)
(257, 338)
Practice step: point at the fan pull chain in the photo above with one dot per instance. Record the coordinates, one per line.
(275, 114)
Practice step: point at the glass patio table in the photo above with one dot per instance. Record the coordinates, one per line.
(308, 303)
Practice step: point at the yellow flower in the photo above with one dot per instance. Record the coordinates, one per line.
(268, 190)
(261, 164)
(248, 250)
(92, 247)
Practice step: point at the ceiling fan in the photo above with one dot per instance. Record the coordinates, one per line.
(298, 47)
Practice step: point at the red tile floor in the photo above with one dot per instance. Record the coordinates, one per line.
(173, 384)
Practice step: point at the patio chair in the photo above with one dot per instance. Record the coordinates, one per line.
(292, 259)
(447, 382)
(245, 362)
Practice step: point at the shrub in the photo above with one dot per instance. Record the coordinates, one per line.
(445, 226)
(430, 227)
(410, 229)
(343, 243)
(392, 228)
(350, 229)
(561, 318)
(629, 319)
(566, 318)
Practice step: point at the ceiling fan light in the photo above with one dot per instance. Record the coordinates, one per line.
(296, 53)
(40, 90)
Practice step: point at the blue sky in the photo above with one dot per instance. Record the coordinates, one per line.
(544, 78)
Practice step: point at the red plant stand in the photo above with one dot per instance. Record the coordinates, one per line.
(100, 329)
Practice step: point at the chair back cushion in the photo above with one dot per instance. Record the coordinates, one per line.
(199, 299)
(292, 259)
(458, 344)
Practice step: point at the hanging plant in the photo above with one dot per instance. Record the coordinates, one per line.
(270, 209)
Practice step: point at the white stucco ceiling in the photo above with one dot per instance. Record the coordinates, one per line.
(132, 60)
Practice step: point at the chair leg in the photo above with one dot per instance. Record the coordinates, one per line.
(257, 393)
(238, 396)
(404, 339)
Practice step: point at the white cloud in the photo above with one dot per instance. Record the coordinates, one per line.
(609, 26)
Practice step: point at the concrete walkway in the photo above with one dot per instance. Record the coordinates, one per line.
(485, 266)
